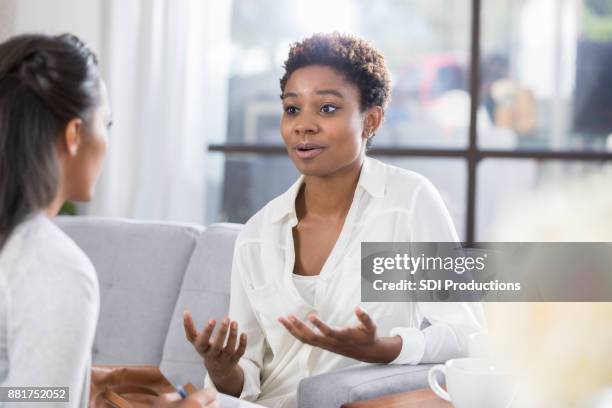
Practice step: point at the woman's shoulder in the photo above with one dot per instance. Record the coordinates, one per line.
(256, 226)
(272, 216)
(403, 185)
(42, 251)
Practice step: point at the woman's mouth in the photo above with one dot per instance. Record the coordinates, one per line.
(308, 150)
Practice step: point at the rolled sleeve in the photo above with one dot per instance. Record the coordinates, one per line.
(251, 387)
(434, 344)
(413, 345)
(451, 324)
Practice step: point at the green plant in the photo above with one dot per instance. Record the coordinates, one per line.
(69, 208)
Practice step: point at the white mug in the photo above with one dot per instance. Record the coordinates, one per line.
(474, 383)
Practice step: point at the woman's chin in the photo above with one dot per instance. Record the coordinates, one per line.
(83, 196)
(310, 168)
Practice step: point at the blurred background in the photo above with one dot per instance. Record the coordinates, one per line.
(491, 99)
(505, 105)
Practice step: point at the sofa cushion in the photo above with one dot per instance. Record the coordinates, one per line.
(331, 390)
(140, 268)
(205, 293)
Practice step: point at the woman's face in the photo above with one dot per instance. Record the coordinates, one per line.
(322, 124)
(83, 169)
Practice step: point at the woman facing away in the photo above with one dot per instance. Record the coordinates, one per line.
(54, 121)
(295, 286)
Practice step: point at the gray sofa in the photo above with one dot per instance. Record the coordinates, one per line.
(150, 272)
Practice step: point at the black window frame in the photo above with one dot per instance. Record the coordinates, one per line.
(471, 154)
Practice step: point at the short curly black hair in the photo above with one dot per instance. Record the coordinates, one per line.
(351, 56)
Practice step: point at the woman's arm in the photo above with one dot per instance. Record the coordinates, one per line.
(243, 380)
(450, 322)
(51, 319)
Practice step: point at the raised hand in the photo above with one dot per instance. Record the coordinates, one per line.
(220, 358)
(359, 341)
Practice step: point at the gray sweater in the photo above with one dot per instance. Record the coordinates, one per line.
(49, 304)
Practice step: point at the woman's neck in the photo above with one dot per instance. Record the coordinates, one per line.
(328, 196)
(55, 206)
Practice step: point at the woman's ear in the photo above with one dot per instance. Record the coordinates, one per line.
(71, 137)
(372, 121)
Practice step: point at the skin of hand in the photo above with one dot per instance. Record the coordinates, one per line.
(359, 342)
(206, 398)
(220, 357)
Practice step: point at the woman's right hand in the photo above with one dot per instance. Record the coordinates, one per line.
(220, 361)
(206, 398)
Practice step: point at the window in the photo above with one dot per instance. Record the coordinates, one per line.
(526, 101)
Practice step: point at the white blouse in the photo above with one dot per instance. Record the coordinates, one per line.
(390, 204)
(306, 286)
(49, 305)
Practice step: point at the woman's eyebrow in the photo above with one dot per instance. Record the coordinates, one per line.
(330, 92)
(319, 92)
(289, 95)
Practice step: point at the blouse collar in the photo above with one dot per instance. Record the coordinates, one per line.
(372, 179)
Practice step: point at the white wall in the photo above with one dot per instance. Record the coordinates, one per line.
(7, 18)
(83, 18)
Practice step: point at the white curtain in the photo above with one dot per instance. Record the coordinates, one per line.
(166, 67)
(7, 18)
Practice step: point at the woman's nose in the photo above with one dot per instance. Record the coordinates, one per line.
(305, 125)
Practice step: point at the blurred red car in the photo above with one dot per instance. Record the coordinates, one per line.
(430, 77)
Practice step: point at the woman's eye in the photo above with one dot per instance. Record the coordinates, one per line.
(291, 110)
(327, 108)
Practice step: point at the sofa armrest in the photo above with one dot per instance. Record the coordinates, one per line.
(333, 389)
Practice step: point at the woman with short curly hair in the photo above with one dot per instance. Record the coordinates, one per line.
(296, 291)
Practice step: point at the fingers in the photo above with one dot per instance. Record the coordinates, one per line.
(287, 324)
(166, 400)
(299, 330)
(213, 347)
(202, 343)
(365, 319)
(230, 347)
(217, 344)
(241, 347)
(206, 398)
(323, 328)
(190, 331)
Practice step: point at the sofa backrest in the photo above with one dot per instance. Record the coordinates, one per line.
(140, 268)
(205, 293)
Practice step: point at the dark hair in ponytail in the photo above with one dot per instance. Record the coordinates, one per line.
(45, 81)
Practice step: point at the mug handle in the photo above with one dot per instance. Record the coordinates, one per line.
(433, 382)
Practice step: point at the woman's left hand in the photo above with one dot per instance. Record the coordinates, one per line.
(359, 342)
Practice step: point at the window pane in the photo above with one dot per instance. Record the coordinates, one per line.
(426, 51)
(449, 176)
(546, 74)
(241, 184)
(245, 184)
(504, 183)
